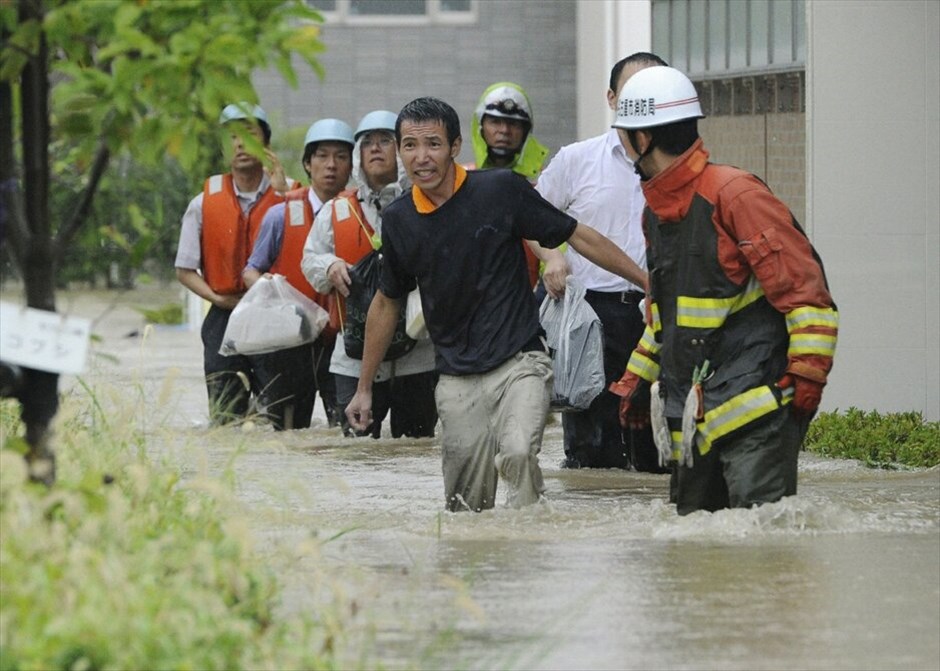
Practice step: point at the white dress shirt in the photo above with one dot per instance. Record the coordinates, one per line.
(594, 182)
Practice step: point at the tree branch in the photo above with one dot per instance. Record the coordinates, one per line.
(80, 214)
(25, 52)
(12, 215)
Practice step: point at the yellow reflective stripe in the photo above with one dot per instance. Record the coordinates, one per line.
(812, 316)
(642, 365)
(812, 343)
(648, 341)
(709, 313)
(752, 292)
(702, 313)
(657, 322)
(676, 445)
(736, 412)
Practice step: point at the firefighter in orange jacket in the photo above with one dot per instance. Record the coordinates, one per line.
(741, 327)
(218, 230)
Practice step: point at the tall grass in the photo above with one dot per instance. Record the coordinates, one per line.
(124, 565)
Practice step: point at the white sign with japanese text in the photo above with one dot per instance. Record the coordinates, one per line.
(43, 340)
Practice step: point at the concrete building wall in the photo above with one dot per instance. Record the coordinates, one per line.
(873, 195)
(607, 30)
(372, 67)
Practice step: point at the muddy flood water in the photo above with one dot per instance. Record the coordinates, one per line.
(604, 575)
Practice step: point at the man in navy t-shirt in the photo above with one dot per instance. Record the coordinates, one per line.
(457, 236)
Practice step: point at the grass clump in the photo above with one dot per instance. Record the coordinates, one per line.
(123, 565)
(878, 440)
(170, 313)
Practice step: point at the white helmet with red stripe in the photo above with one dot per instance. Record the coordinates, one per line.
(656, 96)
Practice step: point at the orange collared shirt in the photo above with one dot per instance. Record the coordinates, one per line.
(423, 204)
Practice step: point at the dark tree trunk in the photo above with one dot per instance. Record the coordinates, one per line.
(28, 230)
(39, 393)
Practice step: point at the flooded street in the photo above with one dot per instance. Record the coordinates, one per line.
(603, 575)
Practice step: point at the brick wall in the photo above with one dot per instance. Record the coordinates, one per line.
(375, 67)
(772, 146)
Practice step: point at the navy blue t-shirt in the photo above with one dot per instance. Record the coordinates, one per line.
(467, 257)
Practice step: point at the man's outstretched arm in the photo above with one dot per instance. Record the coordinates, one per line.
(600, 251)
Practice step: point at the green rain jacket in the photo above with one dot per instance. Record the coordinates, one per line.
(530, 159)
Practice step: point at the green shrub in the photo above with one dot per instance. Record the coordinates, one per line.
(123, 565)
(880, 441)
(170, 313)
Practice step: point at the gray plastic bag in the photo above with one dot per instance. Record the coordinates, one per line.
(576, 337)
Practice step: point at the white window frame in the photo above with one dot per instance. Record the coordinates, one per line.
(724, 56)
(434, 16)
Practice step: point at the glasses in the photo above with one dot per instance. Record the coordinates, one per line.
(383, 141)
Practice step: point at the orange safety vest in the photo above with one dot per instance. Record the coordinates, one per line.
(352, 240)
(352, 232)
(228, 234)
(298, 220)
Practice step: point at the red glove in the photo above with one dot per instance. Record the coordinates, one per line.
(634, 401)
(806, 393)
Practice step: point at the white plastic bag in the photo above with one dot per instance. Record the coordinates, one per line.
(575, 335)
(272, 315)
(414, 317)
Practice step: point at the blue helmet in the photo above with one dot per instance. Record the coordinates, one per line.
(377, 120)
(242, 110)
(330, 129)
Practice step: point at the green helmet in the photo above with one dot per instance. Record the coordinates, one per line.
(507, 100)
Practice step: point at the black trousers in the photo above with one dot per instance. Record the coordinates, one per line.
(754, 465)
(283, 382)
(228, 396)
(409, 398)
(287, 386)
(325, 382)
(594, 437)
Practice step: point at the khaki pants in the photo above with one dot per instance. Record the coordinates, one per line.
(492, 423)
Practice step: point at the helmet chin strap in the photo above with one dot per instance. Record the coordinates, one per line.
(500, 152)
(631, 135)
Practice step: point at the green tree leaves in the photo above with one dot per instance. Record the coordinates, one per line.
(152, 75)
(83, 81)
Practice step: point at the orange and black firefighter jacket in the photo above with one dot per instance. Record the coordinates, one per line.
(734, 282)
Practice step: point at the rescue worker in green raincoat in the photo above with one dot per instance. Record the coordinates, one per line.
(501, 135)
(501, 132)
